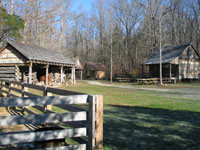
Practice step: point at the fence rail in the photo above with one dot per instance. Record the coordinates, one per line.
(81, 118)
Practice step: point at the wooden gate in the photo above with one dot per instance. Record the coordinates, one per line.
(80, 117)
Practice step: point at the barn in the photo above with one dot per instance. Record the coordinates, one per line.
(181, 62)
(32, 64)
(94, 70)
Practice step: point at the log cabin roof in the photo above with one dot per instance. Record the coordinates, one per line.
(35, 53)
(169, 54)
(94, 66)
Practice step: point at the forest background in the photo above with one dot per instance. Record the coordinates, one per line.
(118, 32)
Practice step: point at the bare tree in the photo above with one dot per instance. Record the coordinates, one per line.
(11, 6)
(162, 14)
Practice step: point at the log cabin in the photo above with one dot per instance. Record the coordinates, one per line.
(181, 62)
(93, 70)
(28, 63)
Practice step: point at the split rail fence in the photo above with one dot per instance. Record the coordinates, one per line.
(80, 117)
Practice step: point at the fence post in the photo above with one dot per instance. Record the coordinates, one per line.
(99, 122)
(46, 93)
(91, 123)
(24, 89)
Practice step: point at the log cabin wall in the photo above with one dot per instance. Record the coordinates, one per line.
(189, 65)
(189, 69)
(11, 56)
(7, 73)
(10, 61)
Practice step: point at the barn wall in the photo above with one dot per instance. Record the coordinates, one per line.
(9, 56)
(189, 69)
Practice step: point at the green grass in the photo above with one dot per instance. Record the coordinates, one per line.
(134, 97)
(149, 120)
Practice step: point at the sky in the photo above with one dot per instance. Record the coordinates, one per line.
(86, 4)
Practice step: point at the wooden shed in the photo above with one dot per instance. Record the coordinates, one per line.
(28, 63)
(182, 62)
(94, 70)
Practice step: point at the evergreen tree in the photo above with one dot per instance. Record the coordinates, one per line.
(10, 25)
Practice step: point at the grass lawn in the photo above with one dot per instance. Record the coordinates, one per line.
(148, 120)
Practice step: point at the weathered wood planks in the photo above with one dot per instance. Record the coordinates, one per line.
(30, 136)
(46, 100)
(90, 120)
(42, 118)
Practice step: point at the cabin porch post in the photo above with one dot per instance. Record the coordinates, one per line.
(74, 75)
(30, 73)
(170, 71)
(47, 72)
(61, 74)
(81, 74)
(73, 80)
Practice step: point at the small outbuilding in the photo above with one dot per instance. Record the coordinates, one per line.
(182, 62)
(94, 70)
(32, 64)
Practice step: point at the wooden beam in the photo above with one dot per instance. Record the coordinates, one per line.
(72, 147)
(62, 92)
(37, 119)
(99, 122)
(47, 73)
(71, 108)
(16, 89)
(30, 73)
(46, 100)
(31, 136)
(4, 65)
(32, 86)
(81, 74)
(74, 75)
(91, 123)
(30, 94)
(61, 74)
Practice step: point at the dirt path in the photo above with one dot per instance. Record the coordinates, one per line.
(188, 93)
(127, 86)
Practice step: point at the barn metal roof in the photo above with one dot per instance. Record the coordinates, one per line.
(40, 54)
(169, 54)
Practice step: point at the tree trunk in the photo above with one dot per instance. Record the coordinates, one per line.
(160, 24)
(11, 7)
(111, 59)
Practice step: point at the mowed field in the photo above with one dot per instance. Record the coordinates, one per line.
(148, 117)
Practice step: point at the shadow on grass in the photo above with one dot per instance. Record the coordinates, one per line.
(140, 128)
